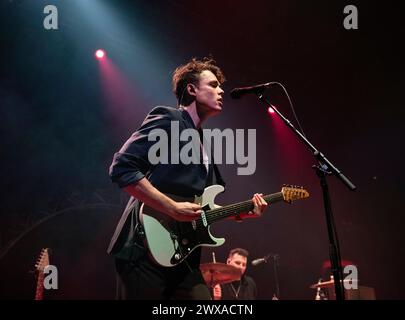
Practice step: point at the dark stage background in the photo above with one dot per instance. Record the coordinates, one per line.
(63, 115)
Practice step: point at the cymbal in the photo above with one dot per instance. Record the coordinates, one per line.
(218, 273)
(329, 284)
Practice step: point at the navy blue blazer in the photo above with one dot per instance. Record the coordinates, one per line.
(130, 164)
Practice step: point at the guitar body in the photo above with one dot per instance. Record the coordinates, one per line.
(170, 241)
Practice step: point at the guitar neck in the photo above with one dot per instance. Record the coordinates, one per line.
(39, 292)
(237, 208)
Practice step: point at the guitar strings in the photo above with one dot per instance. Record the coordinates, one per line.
(214, 214)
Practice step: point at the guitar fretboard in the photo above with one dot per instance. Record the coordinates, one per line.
(237, 208)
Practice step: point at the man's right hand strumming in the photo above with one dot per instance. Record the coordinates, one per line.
(152, 197)
(185, 211)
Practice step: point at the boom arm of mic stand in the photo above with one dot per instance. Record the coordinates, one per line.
(325, 168)
(320, 157)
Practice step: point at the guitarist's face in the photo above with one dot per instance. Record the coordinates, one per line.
(238, 261)
(208, 95)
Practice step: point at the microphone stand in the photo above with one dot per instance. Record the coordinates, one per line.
(323, 169)
(275, 265)
(275, 257)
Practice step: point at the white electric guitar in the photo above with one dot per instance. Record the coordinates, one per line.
(170, 241)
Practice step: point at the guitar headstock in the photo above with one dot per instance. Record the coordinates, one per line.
(292, 193)
(43, 260)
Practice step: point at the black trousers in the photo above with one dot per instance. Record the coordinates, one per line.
(144, 280)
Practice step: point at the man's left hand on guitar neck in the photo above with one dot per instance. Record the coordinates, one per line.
(259, 206)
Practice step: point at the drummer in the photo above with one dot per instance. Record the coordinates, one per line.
(243, 289)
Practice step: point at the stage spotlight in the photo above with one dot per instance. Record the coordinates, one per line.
(270, 110)
(100, 54)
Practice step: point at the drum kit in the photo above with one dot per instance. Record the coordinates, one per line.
(219, 273)
(329, 284)
(215, 273)
(325, 290)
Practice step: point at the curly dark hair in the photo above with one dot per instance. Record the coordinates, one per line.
(240, 251)
(190, 73)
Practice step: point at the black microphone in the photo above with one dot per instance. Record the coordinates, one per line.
(239, 92)
(256, 262)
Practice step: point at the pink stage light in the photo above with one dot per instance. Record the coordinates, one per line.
(100, 54)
